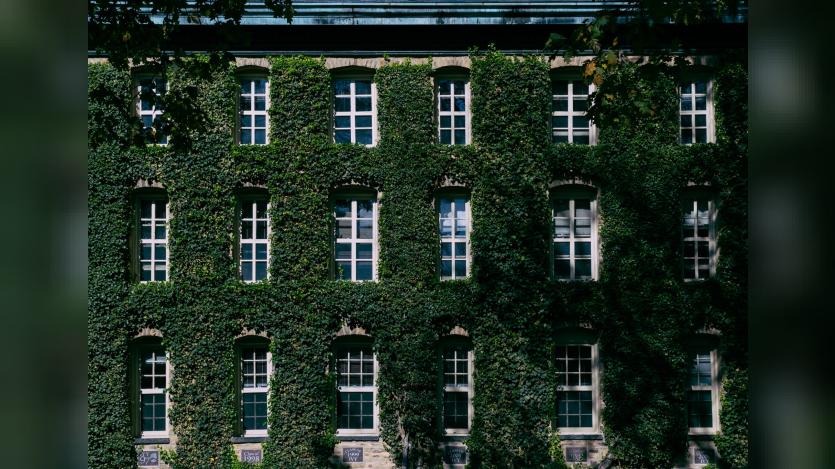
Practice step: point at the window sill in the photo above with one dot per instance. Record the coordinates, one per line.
(708, 435)
(580, 436)
(248, 439)
(152, 441)
(371, 437)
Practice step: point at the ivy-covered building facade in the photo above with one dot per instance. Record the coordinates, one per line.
(372, 246)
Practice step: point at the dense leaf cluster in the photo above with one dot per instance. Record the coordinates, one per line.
(644, 313)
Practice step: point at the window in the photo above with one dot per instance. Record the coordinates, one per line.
(255, 372)
(702, 397)
(356, 409)
(574, 212)
(457, 387)
(153, 239)
(696, 111)
(150, 107)
(150, 365)
(254, 241)
(698, 231)
(354, 111)
(355, 249)
(253, 111)
(577, 387)
(569, 122)
(454, 228)
(453, 111)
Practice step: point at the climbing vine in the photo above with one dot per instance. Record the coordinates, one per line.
(643, 312)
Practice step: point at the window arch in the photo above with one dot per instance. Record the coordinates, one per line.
(357, 410)
(254, 370)
(574, 232)
(355, 236)
(151, 233)
(150, 376)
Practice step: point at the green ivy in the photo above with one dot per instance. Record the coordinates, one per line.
(643, 311)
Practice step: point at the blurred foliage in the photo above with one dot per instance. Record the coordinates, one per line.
(644, 312)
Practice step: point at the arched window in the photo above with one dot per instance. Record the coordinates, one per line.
(355, 212)
(355, 107)
(253, 104)
(152, 234)
(150, 379)
(578, 381)
(454, 226)
(696, 109)
(356, 386)
(254, 373)
(456, 355)
(575, 228)
(254, 235)
(703, 386)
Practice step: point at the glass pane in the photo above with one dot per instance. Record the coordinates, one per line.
(460, 137)
(583, 268)
(260, 103)
(260, 251)
(342, 136)
(460, 104)
(446, 249)
(559, 121)
(701, 136)
(343, 251)
(365, 229)
(246, 251)
(343, 270)
(701, 86)
(701, 120)
(261, 229)
(159, 272)
(686, 136)
(686, 103)
(461, 268)
(580, 88)
(446, 137)
(579, 105)
(363, 250)
(342, 104)
(560, 87)
(362, 121)
(686, 121)
(443, 86)
(582, 248)
(342, 122)
(446, 227)
(363, 104)
(446, 105)
(560, 105)
(342, 208)
(460, 249)
(364, 137)
(364, 271)
(342, 86)
(562, 268)
(159, 230)
(460, 122)
(365, 209)
(246, 137)
(160, 252)
(561, 208)
(562, 249)
(362, 87)
(701, 103)
(446, 268)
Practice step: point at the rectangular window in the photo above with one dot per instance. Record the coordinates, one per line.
(702, 407)
(569, 122)
(355, 250)
(454, 229)
(698, 233)
(153, 239)
(696, 112)
(150, 108)
(453, 112)
(575, 238)
(457, 366)
(255, 387)
(356, 390)
(153, 374)
(253, 111)
(354, 111)
(576, 395)
(254, 241)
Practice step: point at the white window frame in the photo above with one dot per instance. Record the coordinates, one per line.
(347, 344)
(711, 237)
(153, 112)
(594, 388)
(142, 349)
(254, 390)
(353, 197)
(451, 196)
(353, 113)
(253, 199)
(251, 112)
(708, 112)
(451, 343)
(571, 112)
(153, 241)
(452, 113)
(573, 194)
(714, 394)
